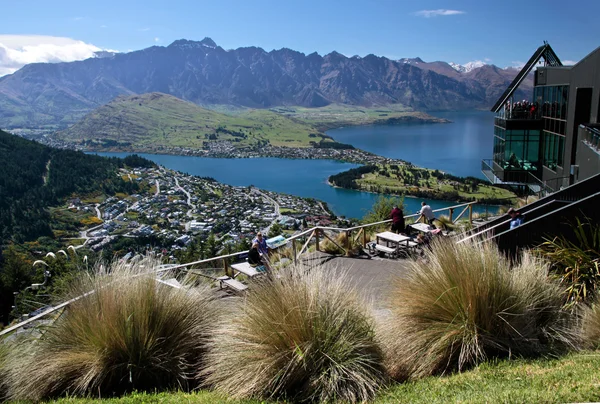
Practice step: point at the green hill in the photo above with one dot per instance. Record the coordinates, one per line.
(154, 120)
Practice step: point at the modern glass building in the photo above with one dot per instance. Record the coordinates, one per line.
(551, 140)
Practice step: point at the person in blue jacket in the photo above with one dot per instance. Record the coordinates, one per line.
(516, 219)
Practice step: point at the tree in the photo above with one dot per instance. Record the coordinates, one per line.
(382, 208)
(275, 230)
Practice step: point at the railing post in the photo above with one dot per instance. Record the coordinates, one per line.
(450, 213)
(471, 214)
(294, 251)
(317, 231)
(348, 242)
(225, 267)
(364, 237)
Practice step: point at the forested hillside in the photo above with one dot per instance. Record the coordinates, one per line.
(34, 177)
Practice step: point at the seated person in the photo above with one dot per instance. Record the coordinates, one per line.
(255, 259)
(263, 248)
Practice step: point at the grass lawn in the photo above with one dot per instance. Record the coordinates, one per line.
(574, 378)
(337, 115)
(404, 179)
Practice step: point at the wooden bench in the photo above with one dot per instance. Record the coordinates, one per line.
(246, 269)
(235, 285)
(388, 250)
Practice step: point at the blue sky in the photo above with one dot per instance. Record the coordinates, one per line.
(502, 33)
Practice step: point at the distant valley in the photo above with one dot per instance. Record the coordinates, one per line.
(55, 96)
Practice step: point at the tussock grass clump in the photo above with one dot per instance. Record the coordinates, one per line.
(591, 326)
(464, 304)
(302, 336)
(131, 334)
(342, 241)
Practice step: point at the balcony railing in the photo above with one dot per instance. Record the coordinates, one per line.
(496, 175)
(591, 137)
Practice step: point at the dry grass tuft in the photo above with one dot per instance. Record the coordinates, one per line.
(131, 334)
(464, 304)
(302, 336)
(591, 326)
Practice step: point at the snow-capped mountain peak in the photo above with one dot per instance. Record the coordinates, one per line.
(467, 67)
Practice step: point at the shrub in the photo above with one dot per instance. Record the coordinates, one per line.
(591, 326)
(576, 263)
(131, 334)
(301, 336)
(342, 241)
(464, 304)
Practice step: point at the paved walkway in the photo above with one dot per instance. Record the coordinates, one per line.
(371, 277)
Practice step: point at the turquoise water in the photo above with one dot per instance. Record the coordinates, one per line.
(305, 178)
(456, 147)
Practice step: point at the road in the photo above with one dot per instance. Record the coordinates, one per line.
(157, 188)
(266, 230)
(189, 198)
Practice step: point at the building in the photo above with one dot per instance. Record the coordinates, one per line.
(552, 140)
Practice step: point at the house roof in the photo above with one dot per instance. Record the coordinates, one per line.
(550, 59)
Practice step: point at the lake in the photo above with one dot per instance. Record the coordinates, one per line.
(456, 148)
(306, 178)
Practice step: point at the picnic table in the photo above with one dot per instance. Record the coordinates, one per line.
(395, 240)
(422, 227)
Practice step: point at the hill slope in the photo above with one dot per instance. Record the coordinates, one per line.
(56, 95)
(161, 120)
(34, 177)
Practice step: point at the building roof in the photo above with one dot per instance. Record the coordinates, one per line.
(550, 59)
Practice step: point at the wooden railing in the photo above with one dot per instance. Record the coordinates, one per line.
(304, 238)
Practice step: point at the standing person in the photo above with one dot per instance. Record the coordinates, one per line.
(516, 219)
(427, 213)
(263, 248)
(397, 217)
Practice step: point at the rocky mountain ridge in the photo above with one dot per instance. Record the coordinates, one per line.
(57, 95)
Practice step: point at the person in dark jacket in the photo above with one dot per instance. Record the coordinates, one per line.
(397, 217)
(254, 256)
(256, 260)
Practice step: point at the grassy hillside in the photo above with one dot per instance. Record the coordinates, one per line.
(338, 115)
(157, 119)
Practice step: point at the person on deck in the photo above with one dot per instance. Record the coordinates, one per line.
(263, 248)
(397, 217)
(516, 219)
(427, 213)
(255, 259)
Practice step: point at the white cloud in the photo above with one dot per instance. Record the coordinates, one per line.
(103, 26)
(569, 62)
(438, 12)
(517, 64)
(77, 18)
(19, 50)
(156, 39)
(143, 29)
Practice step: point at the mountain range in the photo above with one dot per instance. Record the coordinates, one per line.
(59, 94)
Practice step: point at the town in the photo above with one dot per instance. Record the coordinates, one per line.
(176, 208)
